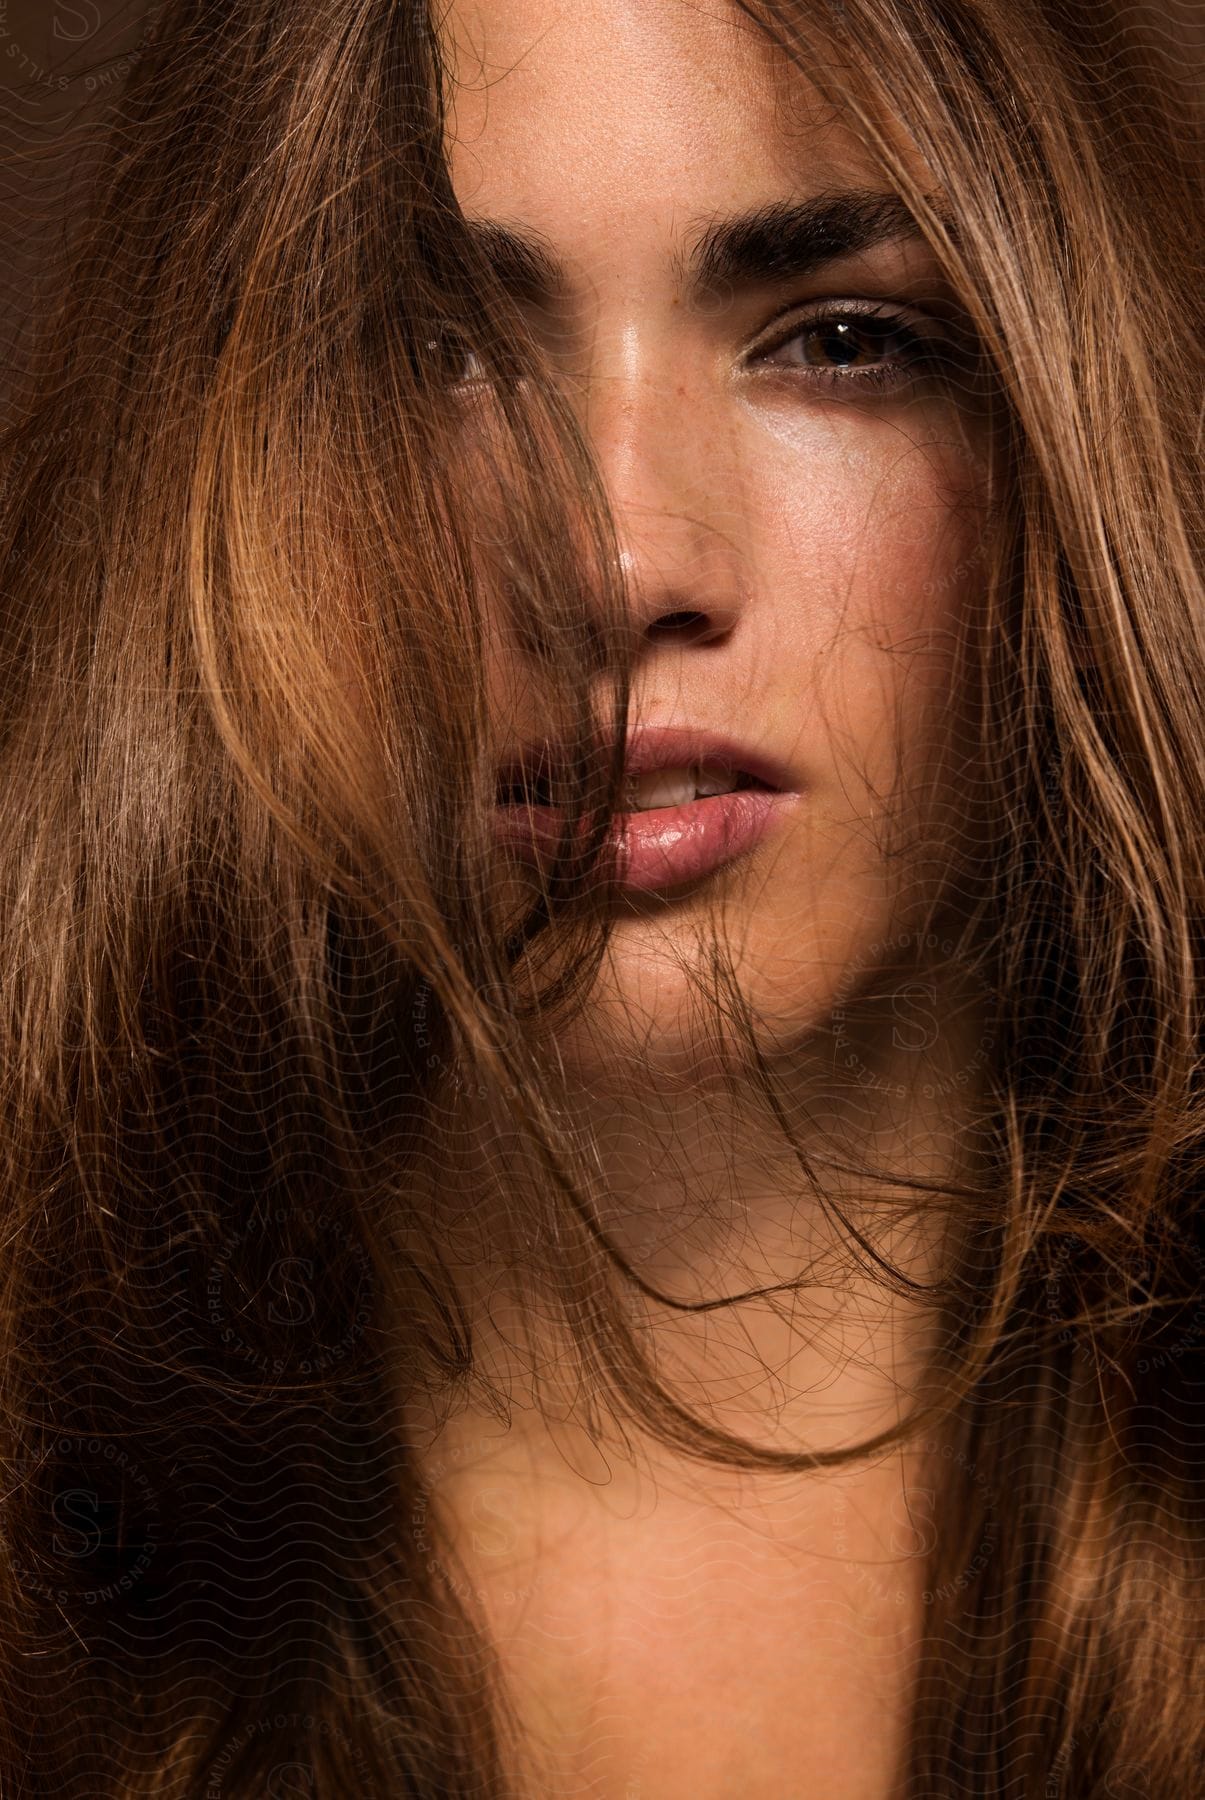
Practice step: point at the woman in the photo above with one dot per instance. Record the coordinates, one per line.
(601, 1137)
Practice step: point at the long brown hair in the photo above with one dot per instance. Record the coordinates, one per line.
(252, 952)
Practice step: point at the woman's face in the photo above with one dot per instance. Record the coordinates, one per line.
(746, 325)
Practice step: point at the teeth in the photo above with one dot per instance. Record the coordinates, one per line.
(714, 778)
(678, 787)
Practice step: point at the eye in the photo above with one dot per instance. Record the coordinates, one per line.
(848, 345)
(452, 361)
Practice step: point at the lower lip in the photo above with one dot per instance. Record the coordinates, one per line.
(663, 847)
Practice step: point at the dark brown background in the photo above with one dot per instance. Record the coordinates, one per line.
(61, 62)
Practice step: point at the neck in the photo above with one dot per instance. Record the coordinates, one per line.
(698, 1189)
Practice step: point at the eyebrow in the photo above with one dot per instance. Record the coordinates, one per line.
(789, 239)
(785, 240)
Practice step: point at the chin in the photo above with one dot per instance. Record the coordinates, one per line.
(658, 1012)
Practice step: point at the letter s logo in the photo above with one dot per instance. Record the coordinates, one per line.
(291, 1781)
(1128, 1781)
(913, 1530)
(917, 1029)
(499, 1537)
(82, 20)
(78, 509)
(290, 1280)
(76, 1509)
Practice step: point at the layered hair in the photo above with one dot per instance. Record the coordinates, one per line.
(253, 957)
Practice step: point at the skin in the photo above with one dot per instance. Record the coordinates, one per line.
(827, 609)
(826, 538)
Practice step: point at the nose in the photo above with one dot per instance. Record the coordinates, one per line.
(671, 481)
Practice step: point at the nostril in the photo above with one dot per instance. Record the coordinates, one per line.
(520, 787)
(688, 625)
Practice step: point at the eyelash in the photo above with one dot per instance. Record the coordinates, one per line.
(915, 355)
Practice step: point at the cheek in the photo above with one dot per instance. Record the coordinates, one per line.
(859, 541)
(867, 540)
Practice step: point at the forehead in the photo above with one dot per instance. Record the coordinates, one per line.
(583, 115)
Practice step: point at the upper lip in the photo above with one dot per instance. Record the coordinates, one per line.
(649, 747)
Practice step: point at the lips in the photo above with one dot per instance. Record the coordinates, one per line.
(658, 846)
(533, 766)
